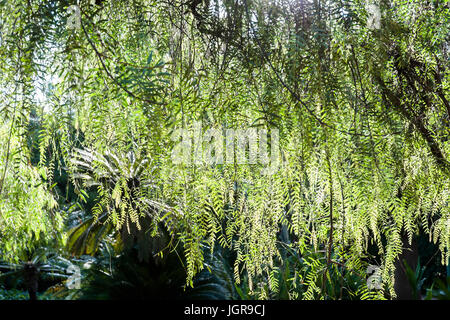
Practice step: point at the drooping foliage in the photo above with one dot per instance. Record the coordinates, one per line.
(362, 112)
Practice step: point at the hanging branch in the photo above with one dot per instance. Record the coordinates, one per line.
(8, 148)
(291, 91)
(330, 237)
(416, 121)
(99, 56)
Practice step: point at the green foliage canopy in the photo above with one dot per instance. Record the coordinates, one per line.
(363, 115)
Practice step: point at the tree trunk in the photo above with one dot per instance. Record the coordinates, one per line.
(410, 254)
(31, 279)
